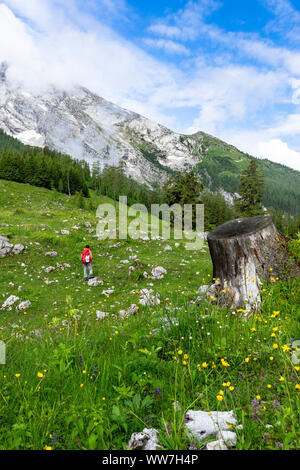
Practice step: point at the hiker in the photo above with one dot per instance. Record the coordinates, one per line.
(87, 258)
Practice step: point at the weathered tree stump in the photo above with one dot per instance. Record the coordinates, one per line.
(246, 252)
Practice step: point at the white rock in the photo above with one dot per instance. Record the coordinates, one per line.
(51, 253)
(148, 298)
(202, 424)
(101, 315)
(130, 311)
(10, 301)
(167, 248)
(216, 445)
(229, 437)
(50, 269)
(158, 272)
(96, 281)
(17, 249)
(145, 440)
(23, 305)
(87, 224)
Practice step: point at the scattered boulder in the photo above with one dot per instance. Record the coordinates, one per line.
(130, 311)
(9, 302)
(158, 272)
(145, 440)
(23, 305)
(18, 248)
(50, 269)
(101, 315)
(216, 445)
(148, 297)
(51, 253)
(167, 248)
(203, 424)
(96, 281)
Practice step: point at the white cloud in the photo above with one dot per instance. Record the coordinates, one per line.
(279, 151)
(167, 45)
(59, 42)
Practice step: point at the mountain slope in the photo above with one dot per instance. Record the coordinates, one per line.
(88, 127)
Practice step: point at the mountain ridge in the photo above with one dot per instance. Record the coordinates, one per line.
(88, 127)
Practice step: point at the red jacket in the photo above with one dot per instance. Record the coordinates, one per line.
(86, 252)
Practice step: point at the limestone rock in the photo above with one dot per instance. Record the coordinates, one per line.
(17, 249)
(51, 253)
(96, 281)
(145, 440)
(216, 445)
(148, 297)
(23, 305)
(9, 302)
(101, 315)
(202, 424)
(158, 272)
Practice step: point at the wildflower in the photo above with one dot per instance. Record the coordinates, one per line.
(204, 364)
(269, 386)
(229, 426)
(17, 375)
(253, 329)
(211, 297)
(81, 385)
(184, 363)
(103, 398)
(275, 346)
(221, 392)
(281, 379)
(224, 363)
(285, 348)
(271, 358)
(219, 397)
(84, 371)
(179, 352)
(116, 332)
(247, 359)
(258, 397)
(48, 448)
(231, 388)
(40, 375)
(157, 391)
(297, 387)
(185, 356)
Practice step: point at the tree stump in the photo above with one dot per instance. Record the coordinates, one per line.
(245, 253)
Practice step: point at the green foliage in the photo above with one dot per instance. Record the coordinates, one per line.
(249, 203)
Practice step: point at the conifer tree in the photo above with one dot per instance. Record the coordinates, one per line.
(249, 203)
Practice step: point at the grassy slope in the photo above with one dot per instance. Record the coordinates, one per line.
(100, 377)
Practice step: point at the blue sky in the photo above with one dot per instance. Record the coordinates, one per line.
(227, 67)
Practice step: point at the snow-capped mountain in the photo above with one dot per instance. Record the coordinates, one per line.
(88, 127)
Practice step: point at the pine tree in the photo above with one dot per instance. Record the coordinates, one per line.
(249, 203)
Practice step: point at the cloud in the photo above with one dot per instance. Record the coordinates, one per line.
(185, 23)
(279, 151)
(245, 89)
(167, 45)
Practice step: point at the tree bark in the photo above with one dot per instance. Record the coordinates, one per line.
(245, 253)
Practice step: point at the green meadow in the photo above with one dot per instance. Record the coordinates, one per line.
(74, 381)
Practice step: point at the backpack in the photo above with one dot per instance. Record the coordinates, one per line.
(86, 256)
